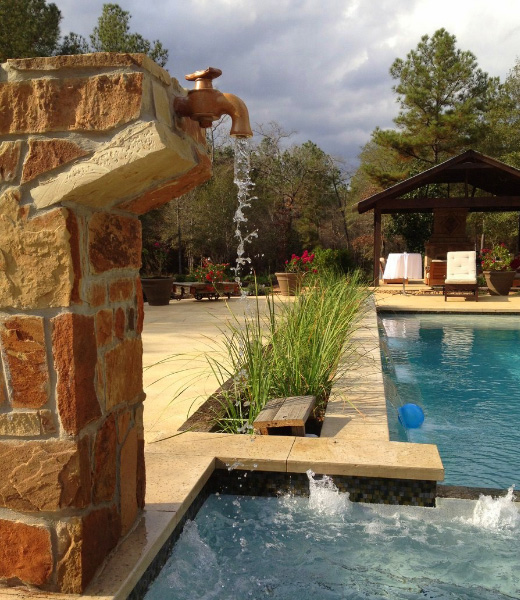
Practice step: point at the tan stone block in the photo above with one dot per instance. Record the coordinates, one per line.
(19, 424)
(36, 266)
(92, 61)
(97, 294)
(9, 159)
(121, 290)
(69, 563)
(104, 321)
(47, 422)
(119, 323)
(143, 156)
(163, 104)
(105, 456)
(128, 481)
(97, 103)
(25, 553)
(163, 194)
(114, 242)
(23, 342)
(46, 155)
(141, 475)
(124, 373)
(44, 475)
(75, 358)
(3, 395)
(101, 532)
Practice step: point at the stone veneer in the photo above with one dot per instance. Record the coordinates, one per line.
(87, 143)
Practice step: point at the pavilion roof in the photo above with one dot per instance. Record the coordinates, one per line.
(487, 184)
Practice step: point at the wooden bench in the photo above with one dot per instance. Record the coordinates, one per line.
(285, 416)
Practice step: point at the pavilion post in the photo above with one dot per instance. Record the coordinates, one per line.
(377, 244)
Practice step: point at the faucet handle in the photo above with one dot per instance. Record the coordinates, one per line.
(204, 78)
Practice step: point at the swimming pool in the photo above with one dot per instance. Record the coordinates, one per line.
(326, 547)
(464, 371)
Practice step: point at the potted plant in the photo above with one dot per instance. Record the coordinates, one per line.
(496, 264)
(210, 276)
(295, 269)
(156, 283)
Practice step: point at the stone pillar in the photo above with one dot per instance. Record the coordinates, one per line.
(87, 143)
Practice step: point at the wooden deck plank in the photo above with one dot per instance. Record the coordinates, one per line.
(285, 412)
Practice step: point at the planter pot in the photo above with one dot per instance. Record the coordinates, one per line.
(290, 283)
(499, 282)
(157, 290)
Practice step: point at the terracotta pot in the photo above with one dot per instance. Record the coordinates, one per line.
(499, 282)
(157, 290)
(290, 283)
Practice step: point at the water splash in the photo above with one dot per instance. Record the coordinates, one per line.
(242, 179)
(496, 514)
(325, 498)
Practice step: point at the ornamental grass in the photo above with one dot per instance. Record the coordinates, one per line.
(293, 351)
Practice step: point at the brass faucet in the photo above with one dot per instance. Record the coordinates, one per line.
(205, 104)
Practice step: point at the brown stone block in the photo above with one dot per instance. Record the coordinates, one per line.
(104, 321)
(119, 323)
(104, 476)
(44, 475)
(130, 319)
(23, 341)
(73, 228)
(47, 423)
(97, 294)
(96, 103)
(121, 290)
(101, 532)
(9, 159)
(46, 155)
(124, 373)
(140, 305)
(124, 419)
(163, 194)
(114, 242)
(75, 358)
(36, 266)
(128, 481)
(25, 553)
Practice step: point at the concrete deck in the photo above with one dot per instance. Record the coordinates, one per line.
(177, 380)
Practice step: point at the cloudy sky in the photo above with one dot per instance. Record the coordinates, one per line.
(319, 68)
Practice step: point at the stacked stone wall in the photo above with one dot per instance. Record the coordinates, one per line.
(87, 143)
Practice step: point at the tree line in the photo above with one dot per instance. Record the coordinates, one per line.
(305, 197)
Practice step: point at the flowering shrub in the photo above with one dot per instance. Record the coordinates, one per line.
(154, 258)
(497, 258)
(300, 264)
(210, 272)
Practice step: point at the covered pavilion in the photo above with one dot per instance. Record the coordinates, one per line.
(469, 182)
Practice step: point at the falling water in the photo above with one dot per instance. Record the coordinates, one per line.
(243, 181)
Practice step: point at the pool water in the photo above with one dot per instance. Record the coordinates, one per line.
(326, 547)
(464, 371)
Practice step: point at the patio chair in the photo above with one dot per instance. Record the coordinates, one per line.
(461, 274)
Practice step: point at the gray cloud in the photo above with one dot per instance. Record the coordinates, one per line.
(318, 67)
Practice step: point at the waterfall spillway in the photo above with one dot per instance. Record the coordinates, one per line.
(242, 179)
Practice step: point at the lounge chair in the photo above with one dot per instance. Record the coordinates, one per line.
(461, 274)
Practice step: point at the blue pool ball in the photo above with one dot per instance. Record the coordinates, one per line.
(411, 416)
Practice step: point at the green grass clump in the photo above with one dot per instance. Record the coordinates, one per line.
(292, 351)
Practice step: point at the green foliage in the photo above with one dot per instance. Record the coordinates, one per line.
(28, 28)
(338, 261)
(414, 228)
(294, 351)
(73, 43)
(443, 97)
(112, 34)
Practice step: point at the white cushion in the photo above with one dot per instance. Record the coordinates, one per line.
(461, 267)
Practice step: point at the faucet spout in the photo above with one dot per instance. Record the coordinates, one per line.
(205, 104)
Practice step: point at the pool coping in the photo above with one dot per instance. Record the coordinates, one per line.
(194, 459)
